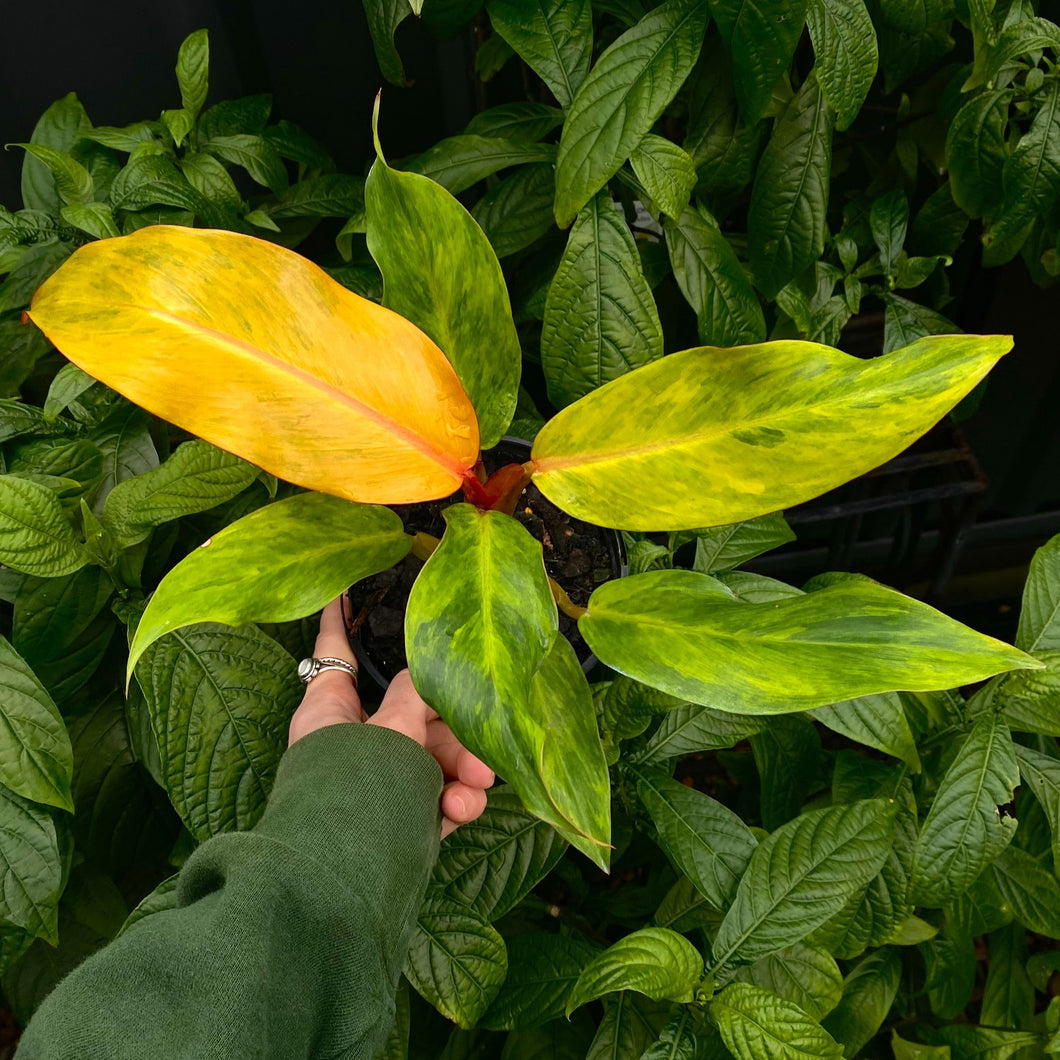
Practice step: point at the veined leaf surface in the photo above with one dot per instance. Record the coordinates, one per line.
(480, 631)
(655, 961)
(600, 317)
(756, 1023)
(291, 371)
(799, 876)
(622, 98)
(787, 220)
(844, 43)
(963, 832)
(760, 37)
(440, 272)
(713, 436)
(282, 562)
(553, 37)
(685, 633)
(1039, 628)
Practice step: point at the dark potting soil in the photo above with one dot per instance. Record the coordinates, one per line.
(578, 556)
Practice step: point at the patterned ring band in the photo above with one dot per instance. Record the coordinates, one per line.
(311, 667)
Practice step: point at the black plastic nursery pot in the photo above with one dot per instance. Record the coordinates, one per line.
(578, 555)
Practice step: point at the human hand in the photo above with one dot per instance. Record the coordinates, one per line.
(331, 699)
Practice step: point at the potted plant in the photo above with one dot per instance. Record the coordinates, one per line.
(255, 350)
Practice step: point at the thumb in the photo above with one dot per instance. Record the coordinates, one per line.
(403, 710)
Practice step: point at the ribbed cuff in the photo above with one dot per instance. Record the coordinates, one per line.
(362, 801)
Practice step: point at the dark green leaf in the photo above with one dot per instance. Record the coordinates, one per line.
(787, 219)
(440, 272)
(456, 961)
(35, 535)
(193, 71)
(1008, 996)
(73, 182)
(294, 143)
(805, 975)
(95, 218)
(666, 173)
(553, 37)
(600, 318)
(622, 98)
(197, 477)
(60, 127)
(1041, 773)
(787, 753)
(1031, 892)
(256, 155)
(760, 37)
(976, 151)
(756, 1023)
(844, 44)
(877, 721)
(36, 759)
(516, 121)
(1039, 628)
(984, 1043)
(799, 876)
(905, 322)
(279, 563)
(491, 864)
(542, 971)
(656, 962)
(707, 841)
(220, 702)
(153, 180)
(1022, 37)
(461, 161)
(889, 219)
(125, 139)
(915, 16)
(23, 346)
(868, 993)
(695, 728)
(30, 865)
(518, 210)
(963, 832)
(328, 195)
(208, 177)
(232, 116)
(384, 17)
(714, 283)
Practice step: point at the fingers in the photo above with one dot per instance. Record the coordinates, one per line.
(331, 697)
(403, 711)
(461, 804)
(454, 758)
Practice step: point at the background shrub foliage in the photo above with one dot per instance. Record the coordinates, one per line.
(874, 878)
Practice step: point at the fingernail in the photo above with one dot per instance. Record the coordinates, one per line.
(460, 805)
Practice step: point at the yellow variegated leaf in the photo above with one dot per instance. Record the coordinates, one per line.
(258, 351)
(712, 436)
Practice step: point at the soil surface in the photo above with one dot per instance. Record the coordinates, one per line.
(578, 556)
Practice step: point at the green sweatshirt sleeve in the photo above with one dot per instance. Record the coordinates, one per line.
(287, 940)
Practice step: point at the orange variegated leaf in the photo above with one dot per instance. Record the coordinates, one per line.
(258, 351)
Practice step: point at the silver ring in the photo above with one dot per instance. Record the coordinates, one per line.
(311, 667)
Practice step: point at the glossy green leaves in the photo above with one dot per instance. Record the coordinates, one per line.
(716, 436)
(656, 962)
(684, 633)
(756, 1023)
(713, 281)
(36, 760)
(760, 37)
(622, 98)
(706, 840)
(480, 631)
(844, 42)
(963, 832)
(600, 316)
(35, 534)
(220, 701)
(282, 562)
(787, 220)
(554, 38)
(799, 876)
(440, 272)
